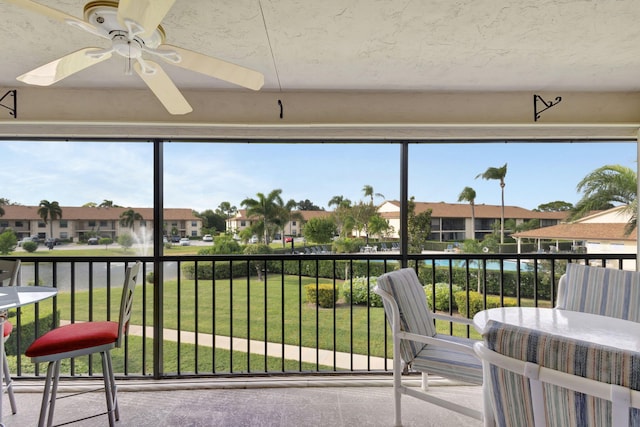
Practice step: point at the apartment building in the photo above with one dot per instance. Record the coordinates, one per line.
(453, 221)
(79, 222)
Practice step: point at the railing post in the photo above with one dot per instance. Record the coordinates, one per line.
(158, 247)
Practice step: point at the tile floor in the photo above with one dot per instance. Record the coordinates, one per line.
(266, 402)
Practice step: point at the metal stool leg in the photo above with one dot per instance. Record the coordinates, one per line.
(46, 393)
(9, 386)
(107, 387)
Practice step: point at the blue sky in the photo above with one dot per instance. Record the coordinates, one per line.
(201, 175)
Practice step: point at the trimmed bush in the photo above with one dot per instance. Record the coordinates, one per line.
(357, 292)
(325, 296)
(476, 302)
(442, 296)
(27, 329)
(30, 246)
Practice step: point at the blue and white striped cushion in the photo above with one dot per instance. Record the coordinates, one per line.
(511, 398)
(415, 316)
(603, 291)
(448, 363)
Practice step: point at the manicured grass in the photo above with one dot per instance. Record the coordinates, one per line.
(242, 362)
(100, 250)
(275, 312)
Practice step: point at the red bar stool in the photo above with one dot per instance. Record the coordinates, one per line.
(81, 339)
(9, 270)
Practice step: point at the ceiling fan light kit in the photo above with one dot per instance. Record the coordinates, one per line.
(133, 27)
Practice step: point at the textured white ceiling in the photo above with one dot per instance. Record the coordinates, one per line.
(365, 45)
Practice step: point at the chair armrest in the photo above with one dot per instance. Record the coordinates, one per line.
(437, 342)
(448, 318)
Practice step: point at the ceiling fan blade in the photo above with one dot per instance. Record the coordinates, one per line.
(146, 13)
(163, 88)
(57, 70)
(214, 67)
(57, 15)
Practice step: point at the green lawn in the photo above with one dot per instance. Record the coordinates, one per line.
(241, 311)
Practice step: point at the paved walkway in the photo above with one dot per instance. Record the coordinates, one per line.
(289, 352)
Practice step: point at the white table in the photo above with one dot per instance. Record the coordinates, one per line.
(14, 297)
(602, 330)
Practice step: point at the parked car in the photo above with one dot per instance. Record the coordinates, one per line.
(207, 238)
(253, 239)
(185, 241)
(175, 239)
(93, 241)
(25, 239)
(288, 239)
(50, 241)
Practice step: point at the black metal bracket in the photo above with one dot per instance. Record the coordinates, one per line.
(547, 105)
(281, 108)
(13, 109)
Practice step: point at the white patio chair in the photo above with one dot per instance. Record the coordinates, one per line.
(418, 346)
(9, 271)
(598, 290)
(81, 339)
(558, 394)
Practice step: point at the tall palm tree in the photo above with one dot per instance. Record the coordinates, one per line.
(336, 201)
(129, 217)
(264, 207)
(287, 215)
(497, 174)
(605, 187)
(342, 214)
(49, 211)
(368, 192)
(468, 194)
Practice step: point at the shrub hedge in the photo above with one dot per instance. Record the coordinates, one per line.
(357, 292)
(27, 330)
(476, 302)
(326, 295)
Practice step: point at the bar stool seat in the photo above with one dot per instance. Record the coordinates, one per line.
(81, 339)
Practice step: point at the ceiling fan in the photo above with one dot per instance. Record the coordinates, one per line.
(133, 27)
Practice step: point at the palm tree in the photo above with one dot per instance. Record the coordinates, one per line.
(227, 211)
(342, 214)
(49, 211)
(468, 194)
(106, 204)
(606, 186)
(497, 174)
(265, 207)
(286, 215)
(129, 217)
(368, 192)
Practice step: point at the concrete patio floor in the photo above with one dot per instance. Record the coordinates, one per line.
(300, 401)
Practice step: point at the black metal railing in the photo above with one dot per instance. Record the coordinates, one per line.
(251, 315)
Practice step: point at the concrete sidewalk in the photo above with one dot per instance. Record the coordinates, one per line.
(290, 352)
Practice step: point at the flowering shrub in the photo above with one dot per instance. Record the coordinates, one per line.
(442, 296)
(356, 291)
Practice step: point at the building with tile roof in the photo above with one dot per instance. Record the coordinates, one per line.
(77, 223)
(601, 232)
(452, 221)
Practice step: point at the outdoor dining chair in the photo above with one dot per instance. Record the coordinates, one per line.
(9, 270)
(417, 345)
(531, 383)
(598, 290)
(82, 339)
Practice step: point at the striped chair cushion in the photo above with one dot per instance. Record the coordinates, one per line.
(449, 363)
(603, 291)
(415, 317)
(511, 396)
